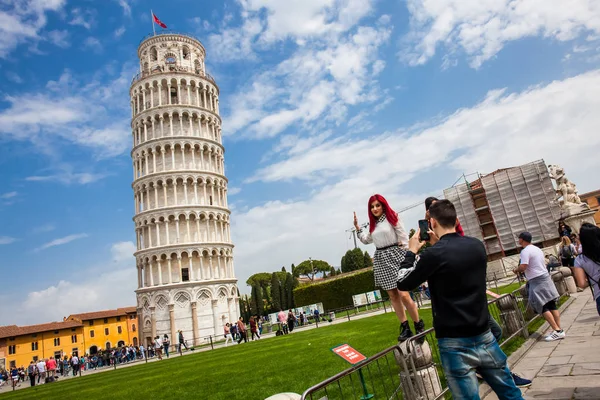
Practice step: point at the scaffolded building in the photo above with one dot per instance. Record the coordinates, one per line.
(496, 207)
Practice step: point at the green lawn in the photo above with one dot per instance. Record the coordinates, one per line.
(506, 288)
(250, 371)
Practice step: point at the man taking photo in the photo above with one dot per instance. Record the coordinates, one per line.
(455, 268)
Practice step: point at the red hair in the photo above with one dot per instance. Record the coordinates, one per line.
(390, 214)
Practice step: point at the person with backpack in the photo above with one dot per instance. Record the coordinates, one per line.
(32, 372)
(567, 252)
(587, 264)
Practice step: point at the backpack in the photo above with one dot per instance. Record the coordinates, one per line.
(31, 369)
(566, 252)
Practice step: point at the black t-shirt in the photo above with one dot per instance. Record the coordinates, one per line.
(455, 268)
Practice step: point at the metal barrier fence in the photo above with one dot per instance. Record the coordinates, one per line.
(412, 369)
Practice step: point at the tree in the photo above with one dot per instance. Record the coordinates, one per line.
(411, 233)
(293, 268)
(338, 272)
(275, 292)
(283, 269)
(353, 260)
(263, 279)
(256, 302)
(310, 268)
(344, 262)
(368, 262)
(333, 272)
(290, 283)
(253, 303)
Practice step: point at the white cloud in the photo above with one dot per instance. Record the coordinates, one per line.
(13, 77)
(22, 20)
(98, 287)
(232, 191)
(266, 22)
(66, 178)
(60, 38)
(61, 241)
(6, 240)
(44, 228)
(316, 81)
(93, 43)
(8, 195)
(119, 32)
(123, 251)
(85, 18)
(504, 129)
(126, 7)
(482, 28)
(93, 115)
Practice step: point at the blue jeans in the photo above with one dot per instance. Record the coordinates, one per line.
(462, 356)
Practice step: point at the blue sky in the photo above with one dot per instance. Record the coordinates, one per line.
(324, 102)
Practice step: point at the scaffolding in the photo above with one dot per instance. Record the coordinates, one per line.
(498, 206)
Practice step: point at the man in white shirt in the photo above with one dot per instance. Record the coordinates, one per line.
(41, 371)
(541, 289)
(158, 347)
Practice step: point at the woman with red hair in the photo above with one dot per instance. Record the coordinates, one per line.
(387, 232)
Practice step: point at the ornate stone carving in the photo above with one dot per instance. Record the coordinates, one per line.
(567, 190)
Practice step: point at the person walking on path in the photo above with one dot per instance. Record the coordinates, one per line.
(32, 372)
(242, 330)
(387, 232)
(51, 367)
(181, 342)
(541, 289)
(455, 267)
(75, 364)
(291, 320)
(254, 328)
(227, 332)
(158, 347)
(587, 264)
(166, 343)
(282, 318)
(41, 367)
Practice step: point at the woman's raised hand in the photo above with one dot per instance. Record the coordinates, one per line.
(356, 221)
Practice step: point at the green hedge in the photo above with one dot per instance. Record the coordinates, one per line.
(336, 292)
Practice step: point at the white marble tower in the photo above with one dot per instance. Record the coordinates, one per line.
(186, 279)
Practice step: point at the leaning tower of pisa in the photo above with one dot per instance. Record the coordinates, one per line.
(184, 256)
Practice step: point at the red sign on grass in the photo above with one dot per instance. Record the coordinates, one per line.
(348, 354)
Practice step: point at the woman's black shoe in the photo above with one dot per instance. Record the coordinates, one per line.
(405, 332)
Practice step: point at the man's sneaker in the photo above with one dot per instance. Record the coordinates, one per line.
(405, 332)
(555, 335)
(520, 381)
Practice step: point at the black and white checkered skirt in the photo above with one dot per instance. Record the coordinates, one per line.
(386, 264)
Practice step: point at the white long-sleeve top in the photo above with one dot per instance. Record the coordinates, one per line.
(385, 234)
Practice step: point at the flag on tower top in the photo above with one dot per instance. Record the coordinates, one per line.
(159, 22)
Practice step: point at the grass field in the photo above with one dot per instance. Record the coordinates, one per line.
(289, 363)
(250, 371)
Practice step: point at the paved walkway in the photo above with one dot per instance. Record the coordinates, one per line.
(568, 368)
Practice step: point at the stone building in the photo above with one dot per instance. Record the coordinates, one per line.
(186, 279)
(593, 200)
(78, 334)
(498, 206)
